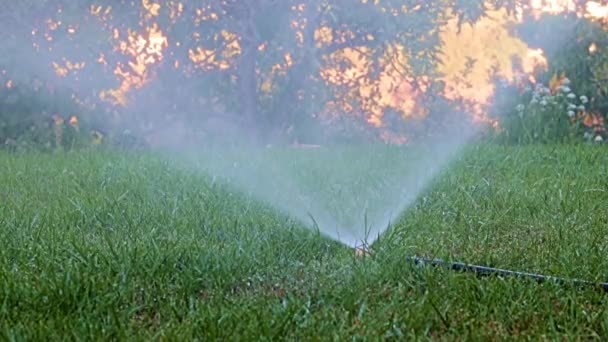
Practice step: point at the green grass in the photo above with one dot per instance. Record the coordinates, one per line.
(108, 245)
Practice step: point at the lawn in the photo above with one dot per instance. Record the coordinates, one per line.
(104, 245)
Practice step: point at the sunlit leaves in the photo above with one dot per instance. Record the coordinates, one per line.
(279, 56)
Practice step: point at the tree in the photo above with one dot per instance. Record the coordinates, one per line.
(263, 59)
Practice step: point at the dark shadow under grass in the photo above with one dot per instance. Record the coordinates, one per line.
(111, 245)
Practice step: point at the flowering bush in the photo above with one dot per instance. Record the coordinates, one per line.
(558, 108)
(552, 113)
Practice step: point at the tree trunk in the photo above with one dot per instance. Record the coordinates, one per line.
(247, 82)
(247, 76)
(301, 74)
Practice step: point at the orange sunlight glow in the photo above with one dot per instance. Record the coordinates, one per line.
(73, 121)
(211, 59)
(596, 10)
(552, 6)
(469, 64)
(592, 9)
(392, 89)
(63, 69)
(472, 58)
(479, 52)
(176, 9)
(152, 9)
(592, 48)
(144, 50)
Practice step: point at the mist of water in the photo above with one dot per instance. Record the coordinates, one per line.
(350, 193)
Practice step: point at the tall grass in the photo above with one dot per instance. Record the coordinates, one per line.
(110, 245)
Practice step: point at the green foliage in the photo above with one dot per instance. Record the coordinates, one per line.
(554, 110)
(542, 117)
(282, 27)
(567, 42)
(33, 116)
(255, 23)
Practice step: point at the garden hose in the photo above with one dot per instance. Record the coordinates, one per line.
(490, 271)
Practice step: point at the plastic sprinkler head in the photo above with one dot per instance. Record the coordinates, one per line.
(362, 251)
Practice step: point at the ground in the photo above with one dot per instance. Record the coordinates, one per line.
(101, 244)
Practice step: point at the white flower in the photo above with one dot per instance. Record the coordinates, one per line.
(565, 89)
(566, 81)
(571, 113)
(541, 89)
(543, 102)
(599, 138)
(581, 108)
(571, 96)
(534, 100)
(571, 106)
(584, 99)
(520, 107)
(587, 135)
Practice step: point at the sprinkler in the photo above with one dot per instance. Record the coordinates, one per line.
(490, 271)
(362, 252)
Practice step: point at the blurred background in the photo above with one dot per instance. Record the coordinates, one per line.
(151, 74)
